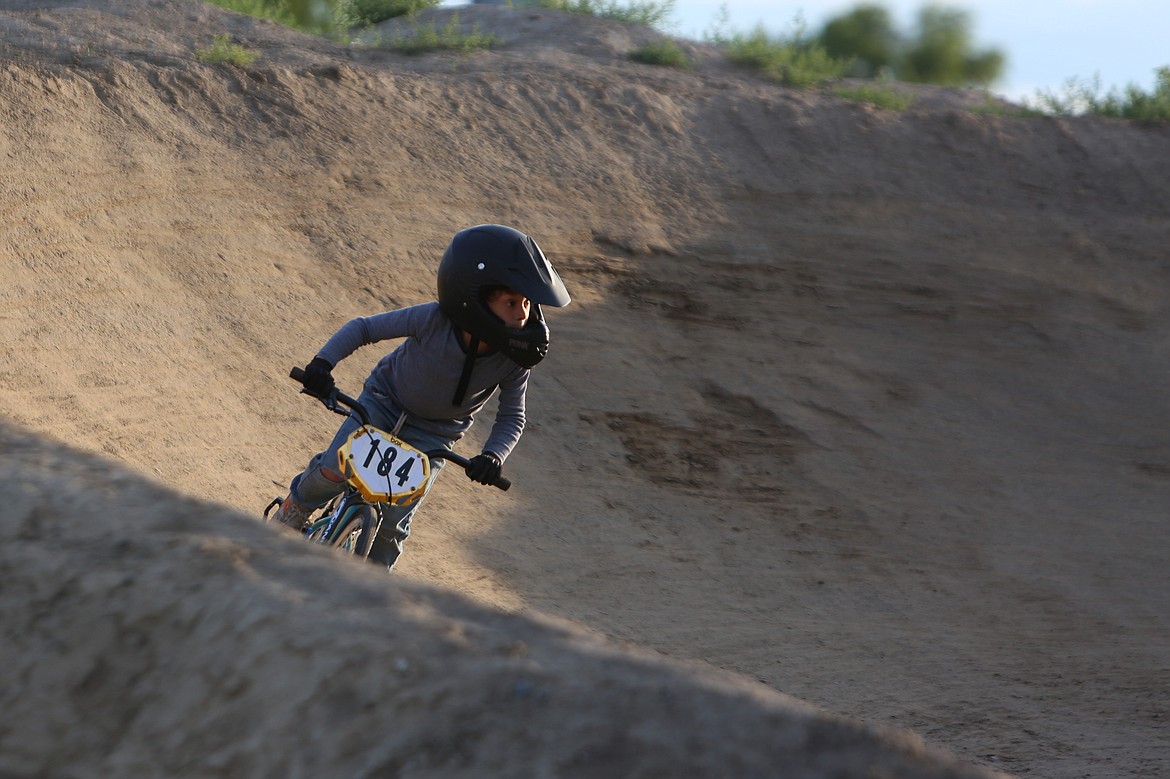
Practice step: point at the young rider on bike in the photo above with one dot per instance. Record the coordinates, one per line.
(485, 332)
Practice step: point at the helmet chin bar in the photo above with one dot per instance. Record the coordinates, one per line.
(495, 255)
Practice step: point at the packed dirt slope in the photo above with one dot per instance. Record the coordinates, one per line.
(867, 408)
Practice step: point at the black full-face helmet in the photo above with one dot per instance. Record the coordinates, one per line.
(488, 256)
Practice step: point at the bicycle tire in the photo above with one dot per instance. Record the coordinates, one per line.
(348, 534)
(355, 532)
(371, 524)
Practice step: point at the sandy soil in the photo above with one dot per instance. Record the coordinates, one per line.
(853, 440)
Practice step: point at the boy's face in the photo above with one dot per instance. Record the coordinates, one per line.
(512, 307)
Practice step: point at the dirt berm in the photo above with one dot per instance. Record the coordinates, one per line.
(852, 441)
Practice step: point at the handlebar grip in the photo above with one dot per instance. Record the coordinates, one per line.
(297, 374)
(502, 482)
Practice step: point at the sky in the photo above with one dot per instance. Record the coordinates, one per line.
(1047, 42)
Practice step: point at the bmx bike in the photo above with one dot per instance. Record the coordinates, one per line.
(380, 470)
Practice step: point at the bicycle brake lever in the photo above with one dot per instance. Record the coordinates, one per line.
(328, 401)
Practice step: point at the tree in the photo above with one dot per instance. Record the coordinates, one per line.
(942, 53)
(866, 35)
(308, 13)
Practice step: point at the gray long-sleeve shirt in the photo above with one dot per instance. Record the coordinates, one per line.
(421, 375)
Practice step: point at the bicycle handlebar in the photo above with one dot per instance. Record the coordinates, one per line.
(335, 397)
(338, 397)
(503, 482)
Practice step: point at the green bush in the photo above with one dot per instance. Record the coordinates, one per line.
(877, 95)
(647, 12)
(223, 50)
(332, 18)
(374, 11)
(792, 60)
(425, 38)
(1084, 97)
(328, 17)
(261, 9)
(665, 52)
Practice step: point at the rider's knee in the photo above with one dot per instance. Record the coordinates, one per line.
(317, 485)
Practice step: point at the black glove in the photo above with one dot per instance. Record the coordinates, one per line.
(484, 468)
(319, 377)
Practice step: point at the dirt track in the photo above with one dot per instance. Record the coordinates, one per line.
(866, 407)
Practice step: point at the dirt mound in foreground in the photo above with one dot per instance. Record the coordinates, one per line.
(150, 635)
(864, 406)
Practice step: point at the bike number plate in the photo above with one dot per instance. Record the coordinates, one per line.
(383, 468)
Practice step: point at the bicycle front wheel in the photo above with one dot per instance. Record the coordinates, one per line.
(355, 533)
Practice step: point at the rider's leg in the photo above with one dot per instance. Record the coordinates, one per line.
(395, 526)
(321, 480)
(310, 490)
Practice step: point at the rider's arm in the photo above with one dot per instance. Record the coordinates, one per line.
(509, 422)
(364, 330)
